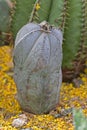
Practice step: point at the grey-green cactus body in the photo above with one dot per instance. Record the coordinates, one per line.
(37, 70)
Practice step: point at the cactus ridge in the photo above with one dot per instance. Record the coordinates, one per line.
(64, 15)
(56, 13)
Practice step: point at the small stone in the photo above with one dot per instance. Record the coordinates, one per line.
(19, 122)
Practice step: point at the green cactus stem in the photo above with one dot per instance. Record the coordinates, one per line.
(4, 16)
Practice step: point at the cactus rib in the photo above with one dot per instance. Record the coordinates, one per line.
(56, 12)
(64, 15)
(72, 33)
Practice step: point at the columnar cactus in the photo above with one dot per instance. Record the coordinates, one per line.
(69, 15)
(37, 67)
